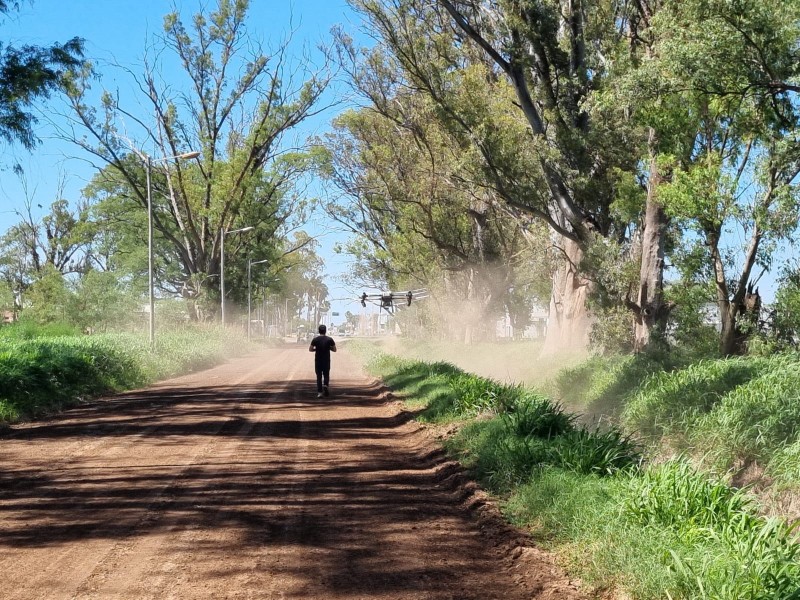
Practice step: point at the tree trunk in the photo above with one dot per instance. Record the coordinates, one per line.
(470, 307)
(727, 334)
(650, 311)
(568, 321)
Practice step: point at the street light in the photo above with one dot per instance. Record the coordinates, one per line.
(222, 264)
(250, 264)
(148, 161)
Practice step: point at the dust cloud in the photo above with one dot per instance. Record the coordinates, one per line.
(507, 361)
(471, 327)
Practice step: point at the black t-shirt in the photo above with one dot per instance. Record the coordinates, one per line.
(322, 346)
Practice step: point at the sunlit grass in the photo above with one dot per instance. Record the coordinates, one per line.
(42, 374)
(666, 531)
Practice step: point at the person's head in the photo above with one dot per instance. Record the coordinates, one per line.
(322, 329)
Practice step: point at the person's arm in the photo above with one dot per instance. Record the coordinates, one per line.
(312, 347)
(333, 345)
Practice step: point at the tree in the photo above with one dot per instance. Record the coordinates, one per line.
(299, 275)
(28, 73)
(411, 192)
(521, 84)
(48, 299)
(102, 301)
(60, 240)
(735, 173)
(237, 107)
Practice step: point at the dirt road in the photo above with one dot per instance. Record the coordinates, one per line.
(237, 482)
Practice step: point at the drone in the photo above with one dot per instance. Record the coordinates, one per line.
(388, 300)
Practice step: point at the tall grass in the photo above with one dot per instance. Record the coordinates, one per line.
(664, 531)
(42, 374)
(726, 411)
(757, 420)
(602, 385)
(669, 401)
(734, 553)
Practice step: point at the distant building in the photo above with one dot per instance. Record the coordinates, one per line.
(536, 329)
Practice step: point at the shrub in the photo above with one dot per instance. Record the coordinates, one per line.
(474, 395)
(595, 452)
(536, 415)
(44, 374)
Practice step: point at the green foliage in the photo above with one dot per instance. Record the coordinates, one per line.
(758, 418)
(755, 557)
(96, 301)
(49, 298)
(101, 302)
(724, 411)
(604, 384)
(674, 495)
(581, 517)
(786, 316)
(28, 73)
(42, 374)
(611, 331)
(670, 401)
(663, 531)
(245, 176)
(785, 463)
(534, 415)
(25, 329)
(419, 196)
(760, 559)
(474, 395)
(529, 431)
(598, 452)
(691, 331)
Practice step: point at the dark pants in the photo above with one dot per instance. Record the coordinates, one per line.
(323, 377)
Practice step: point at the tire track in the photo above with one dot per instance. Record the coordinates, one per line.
(66, 570)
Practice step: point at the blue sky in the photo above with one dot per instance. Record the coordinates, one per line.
(117, 31)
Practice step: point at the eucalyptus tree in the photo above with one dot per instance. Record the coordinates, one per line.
(28, 73)
(236, 103)
(727, 87)
(299, 276)
(410, 191)
(525, 84)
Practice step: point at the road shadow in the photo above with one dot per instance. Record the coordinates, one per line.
(278, 472)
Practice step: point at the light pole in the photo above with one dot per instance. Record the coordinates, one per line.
(222, 263)
(250, 264)
(148, 161)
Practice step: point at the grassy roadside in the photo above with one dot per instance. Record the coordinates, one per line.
(649, 531)
(730, 415)
(41, 374)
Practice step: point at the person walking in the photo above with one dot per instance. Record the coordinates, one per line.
(322, 346)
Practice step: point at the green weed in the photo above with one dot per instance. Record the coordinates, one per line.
(44, 374)
(668, 402)
(536, 415)
(758, 419)
(738, 555)
(662, 532)
(595, 452)
(674, 495)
